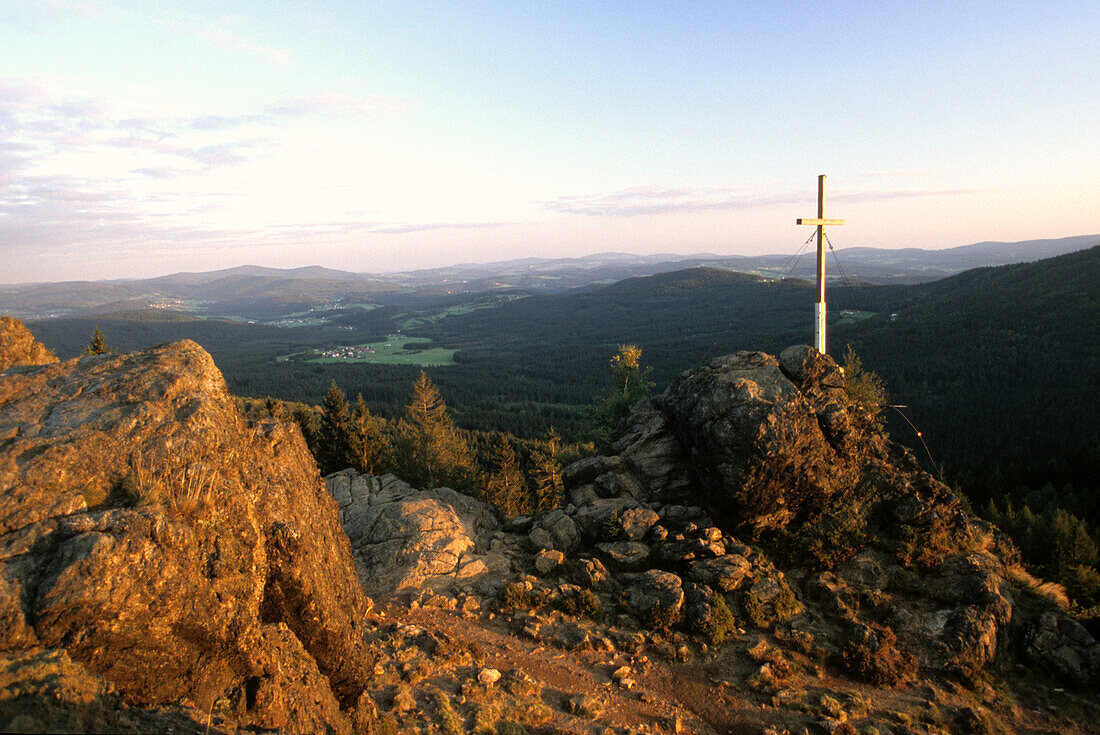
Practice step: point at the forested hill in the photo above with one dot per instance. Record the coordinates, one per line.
(995, 363)
(995, 358)
(1001, 368)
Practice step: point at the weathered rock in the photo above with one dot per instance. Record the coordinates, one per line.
(650, 449)
(19, 347)
(554, 530)
(547, 560)
(725, 573)
(625, 554)
(170, 550)
(581, 495)
(656, 597)
(585, 471)
(488, 677)
(402, 537)
(755, 441)
(821, 382)
(591, 573)
(1058, 642)
(681, 550)
(634, 523)
(864, 573)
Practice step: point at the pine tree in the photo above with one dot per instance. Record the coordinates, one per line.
(369, 447)
(430, 450)
(506, 488)
(98, 345)
(334, 431)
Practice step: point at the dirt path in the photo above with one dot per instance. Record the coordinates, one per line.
(708, 694)
(663, 696)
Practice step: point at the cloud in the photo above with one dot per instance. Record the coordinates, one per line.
(897, 173)
(159, 172)
(647, 200)
(222, 34)
(335, 104)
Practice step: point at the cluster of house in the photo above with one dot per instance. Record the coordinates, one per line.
(347, 353)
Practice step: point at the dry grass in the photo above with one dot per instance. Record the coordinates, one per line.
(180, 485)
(1052, 591)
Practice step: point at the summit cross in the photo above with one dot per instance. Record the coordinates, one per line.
(820, 221)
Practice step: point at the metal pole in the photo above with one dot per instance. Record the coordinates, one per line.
(819, 320)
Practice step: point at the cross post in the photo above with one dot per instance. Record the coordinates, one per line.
(820, 221)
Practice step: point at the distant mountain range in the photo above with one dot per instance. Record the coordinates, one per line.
(264, 293)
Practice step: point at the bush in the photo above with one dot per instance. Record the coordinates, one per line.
(865, 388)
(876, 659)
(720, 625)
(518, 596)
(585, 604)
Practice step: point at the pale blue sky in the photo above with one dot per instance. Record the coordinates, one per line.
(141, 138)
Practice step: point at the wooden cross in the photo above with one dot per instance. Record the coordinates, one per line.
(820, 221)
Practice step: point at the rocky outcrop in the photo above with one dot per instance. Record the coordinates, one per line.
(404, 538)
(775, 450)
(168, 550)
(19, 347)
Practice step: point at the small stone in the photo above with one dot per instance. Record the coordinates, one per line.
(488, 677)
(584, 705)
(548, 560)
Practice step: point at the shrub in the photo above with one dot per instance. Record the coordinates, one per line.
(720, 625)
(876, 659)
(865, 388)
(451, 722)
(518, 596)
(585, 604)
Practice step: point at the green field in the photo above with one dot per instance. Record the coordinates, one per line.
(850, 317)
(390, 352)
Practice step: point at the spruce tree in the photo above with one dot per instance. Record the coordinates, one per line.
(430, 450)
(334, 431)
(368, 445)
(546, 473)
(506, 488)
(98, 345)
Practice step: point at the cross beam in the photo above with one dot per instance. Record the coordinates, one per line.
(820, 221)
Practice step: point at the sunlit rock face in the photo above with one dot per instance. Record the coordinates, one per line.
(19, 347)
(156, 544)
(406, 538)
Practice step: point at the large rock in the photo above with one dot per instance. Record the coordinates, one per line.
(19, 347)
(655, 596)
(1060, 643)
(554, 530)
(170, 550)
(402, 537)
(758, 448)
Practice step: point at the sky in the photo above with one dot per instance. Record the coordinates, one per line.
(146, 138)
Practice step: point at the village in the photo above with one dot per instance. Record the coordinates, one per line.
(348, 352)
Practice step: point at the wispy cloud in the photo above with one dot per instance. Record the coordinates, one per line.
(650, 200)
(335, 104)
(226, 33)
